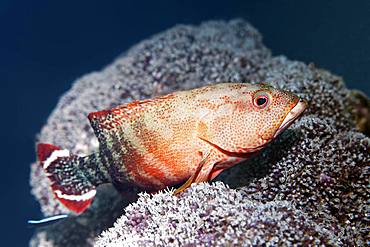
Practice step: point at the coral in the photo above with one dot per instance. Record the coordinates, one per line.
(212, 215)
(311, 181)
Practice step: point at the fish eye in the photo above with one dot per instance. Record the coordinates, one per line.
(261, 99)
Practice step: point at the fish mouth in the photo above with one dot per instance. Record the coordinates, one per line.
(297, 110)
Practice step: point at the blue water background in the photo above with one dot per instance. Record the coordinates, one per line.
(45, 45)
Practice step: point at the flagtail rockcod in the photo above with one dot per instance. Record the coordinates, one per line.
(187, 136)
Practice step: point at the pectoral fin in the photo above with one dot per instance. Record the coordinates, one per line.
(201, 174)
(215, 173)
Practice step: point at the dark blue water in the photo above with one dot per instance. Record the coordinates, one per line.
(45, 45)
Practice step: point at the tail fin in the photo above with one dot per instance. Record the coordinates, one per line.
(68, 182)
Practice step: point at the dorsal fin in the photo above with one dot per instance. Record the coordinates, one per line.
(105, 122)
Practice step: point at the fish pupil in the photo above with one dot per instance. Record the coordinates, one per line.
(261, 101)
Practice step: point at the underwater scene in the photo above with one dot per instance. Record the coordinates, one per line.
(171, 123)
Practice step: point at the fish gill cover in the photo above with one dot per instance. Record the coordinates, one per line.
(310, 186)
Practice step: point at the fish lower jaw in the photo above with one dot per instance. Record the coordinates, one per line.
(296, 112)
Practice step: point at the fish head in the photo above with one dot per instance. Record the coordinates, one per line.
(275, 111)
(252, 117)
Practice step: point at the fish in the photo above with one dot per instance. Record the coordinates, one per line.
(183, 137)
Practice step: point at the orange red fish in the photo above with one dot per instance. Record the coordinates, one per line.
(183, 137)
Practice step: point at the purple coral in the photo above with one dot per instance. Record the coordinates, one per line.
(212, 215)
(312, 178)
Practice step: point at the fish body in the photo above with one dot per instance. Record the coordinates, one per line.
(187, 136)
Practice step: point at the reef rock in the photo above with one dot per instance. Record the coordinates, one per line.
(309, 186)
